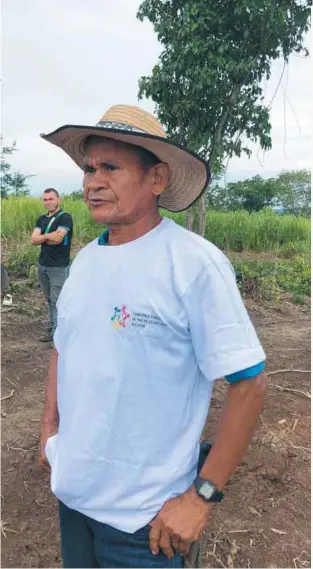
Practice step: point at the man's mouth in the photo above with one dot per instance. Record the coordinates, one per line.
(96, 201)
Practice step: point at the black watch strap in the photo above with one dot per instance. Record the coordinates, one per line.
(207, 490)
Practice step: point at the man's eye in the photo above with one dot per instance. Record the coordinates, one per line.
(88, 169)
(108, 166)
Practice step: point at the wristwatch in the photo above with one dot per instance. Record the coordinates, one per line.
(207, 490)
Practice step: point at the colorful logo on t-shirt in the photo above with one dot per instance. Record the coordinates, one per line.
(135, 319)
(120, 317)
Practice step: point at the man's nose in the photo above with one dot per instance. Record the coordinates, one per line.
(94, 187)
(98, 182)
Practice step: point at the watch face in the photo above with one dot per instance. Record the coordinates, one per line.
(207, 490)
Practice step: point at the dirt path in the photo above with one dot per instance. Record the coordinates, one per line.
(265, 519)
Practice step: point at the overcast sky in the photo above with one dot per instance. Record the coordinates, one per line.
(68, 61)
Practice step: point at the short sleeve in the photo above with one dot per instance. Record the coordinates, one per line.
(223, 337)
(66, 221)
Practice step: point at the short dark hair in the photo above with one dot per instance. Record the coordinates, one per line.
(147, 159)
(49, 190)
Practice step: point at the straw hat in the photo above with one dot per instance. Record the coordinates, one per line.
(189, 174)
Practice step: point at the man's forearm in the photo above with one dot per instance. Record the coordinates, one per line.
(243, 406)
(50, 414)
(39, 239)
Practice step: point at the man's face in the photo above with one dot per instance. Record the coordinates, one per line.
(51, 201)
(117, 189)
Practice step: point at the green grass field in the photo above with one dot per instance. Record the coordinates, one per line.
(280, 244)
(265, 231)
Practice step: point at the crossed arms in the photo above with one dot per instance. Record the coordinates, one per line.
(54, 238)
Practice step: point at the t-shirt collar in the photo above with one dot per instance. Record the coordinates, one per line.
(103, 239)
(58, 211)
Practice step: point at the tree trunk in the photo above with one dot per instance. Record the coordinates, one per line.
(202, 214)
(189, 218)
(195, 216)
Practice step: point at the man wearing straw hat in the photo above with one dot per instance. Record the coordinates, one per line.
(131, 376)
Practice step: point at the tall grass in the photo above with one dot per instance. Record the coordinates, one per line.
(259, 231)
(281, 236)
(19, 217)
(263, 231)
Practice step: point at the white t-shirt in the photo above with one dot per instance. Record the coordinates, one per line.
(143, 330)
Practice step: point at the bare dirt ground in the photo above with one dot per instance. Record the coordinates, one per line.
(264, 520)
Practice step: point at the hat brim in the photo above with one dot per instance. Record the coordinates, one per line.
(189, 174)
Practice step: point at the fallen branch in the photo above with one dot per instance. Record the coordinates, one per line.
(8, 396)
(5, 529)
(295, 424)
(268, 373)
(11, 447)
(23, 449)
(9, 380)
(297, 391)
(299, 559)
(302, 448)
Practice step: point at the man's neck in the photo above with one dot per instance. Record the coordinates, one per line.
(121, 234)
(52, 213)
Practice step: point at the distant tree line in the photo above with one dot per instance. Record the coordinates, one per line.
(290, 193)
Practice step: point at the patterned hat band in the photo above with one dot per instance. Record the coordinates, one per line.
(119, 126)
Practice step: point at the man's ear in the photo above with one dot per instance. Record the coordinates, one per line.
(160, 178)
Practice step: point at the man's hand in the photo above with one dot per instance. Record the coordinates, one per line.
(56, 237)
(47, 430)
(179, 523)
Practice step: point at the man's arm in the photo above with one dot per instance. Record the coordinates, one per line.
(238, 422)
(37, 238)
(50, 418)
(182, 520)
(225, 345)
(54, 238)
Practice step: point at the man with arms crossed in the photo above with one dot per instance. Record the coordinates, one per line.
(53, 232)
(131, 375)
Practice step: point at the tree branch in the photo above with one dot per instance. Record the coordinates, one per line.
(224, 116)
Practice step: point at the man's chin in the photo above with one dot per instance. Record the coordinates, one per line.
(101, 217)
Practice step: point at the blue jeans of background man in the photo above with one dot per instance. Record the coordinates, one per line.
(88, 543)
(51, 281)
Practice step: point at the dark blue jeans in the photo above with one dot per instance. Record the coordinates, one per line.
(88, 543)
